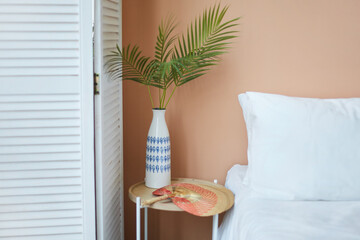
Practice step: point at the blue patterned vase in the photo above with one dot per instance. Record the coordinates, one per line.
(158, 154)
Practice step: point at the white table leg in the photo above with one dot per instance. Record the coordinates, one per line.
(138, 218)
(146, 223)
(215, 223)
(215, 226)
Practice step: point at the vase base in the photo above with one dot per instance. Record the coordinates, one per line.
(158, 184)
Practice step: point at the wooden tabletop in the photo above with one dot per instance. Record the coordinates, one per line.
(225, 196)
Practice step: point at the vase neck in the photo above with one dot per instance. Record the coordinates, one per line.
(158, 113)
(158, 125)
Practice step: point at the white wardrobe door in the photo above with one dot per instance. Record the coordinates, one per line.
(46, 123)
(108, 125)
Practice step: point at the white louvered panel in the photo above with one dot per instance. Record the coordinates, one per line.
(36, 54)
(37, 18)
(16, 141)
(39, 174)
(38, 45)
(40, 157)
(39, 36)
(37, 199)
(33, 208)
(109, 186)
(40, 27)
(65, 62)
(25, 49)
(31, 98)
(44, 149)
(15, 183)
(62, 229)
(40, 191)
(59, 83)
(39, 71)
(39, 2)
(29, 166)
(37, 223)
(42, 123)
(46, 159)
(19, 115)
(40, 9)
(65, 131)
(45, 214)
(46, 237)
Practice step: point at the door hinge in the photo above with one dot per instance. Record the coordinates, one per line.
(96, 84)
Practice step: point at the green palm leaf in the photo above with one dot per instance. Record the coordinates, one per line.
(129, 64)
(177, 59)
(206, 39)
(165, 39)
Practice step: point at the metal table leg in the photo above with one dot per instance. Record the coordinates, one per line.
(215, 223)
(138, 218)
(215, 226)
(145, 223)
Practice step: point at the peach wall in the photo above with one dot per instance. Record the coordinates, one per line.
(308, 48)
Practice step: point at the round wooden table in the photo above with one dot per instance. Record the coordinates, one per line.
(139, 192)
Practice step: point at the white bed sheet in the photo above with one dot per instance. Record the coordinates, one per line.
(254, 219)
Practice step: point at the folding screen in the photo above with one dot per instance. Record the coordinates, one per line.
(108, 102)
(46, 120)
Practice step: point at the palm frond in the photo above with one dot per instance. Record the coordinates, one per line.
(178, 59)
(165, 39)
(130, 64)
(206, 39)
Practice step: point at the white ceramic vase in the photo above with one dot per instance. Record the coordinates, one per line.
(158, 154)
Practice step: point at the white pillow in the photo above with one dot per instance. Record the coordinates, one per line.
(303, 148)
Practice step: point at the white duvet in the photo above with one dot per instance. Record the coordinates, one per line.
(256, 219)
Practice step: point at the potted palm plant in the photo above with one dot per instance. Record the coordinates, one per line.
(178, 59)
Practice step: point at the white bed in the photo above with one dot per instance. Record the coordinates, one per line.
(253, 218)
